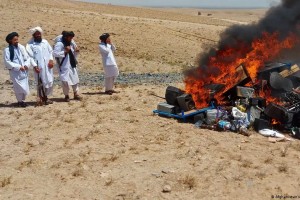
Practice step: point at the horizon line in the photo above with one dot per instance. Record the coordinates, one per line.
(170, 6)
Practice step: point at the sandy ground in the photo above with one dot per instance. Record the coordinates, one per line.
(113, 147)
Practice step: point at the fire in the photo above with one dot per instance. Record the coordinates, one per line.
(223, 65)
(265, 92)
(275, 122)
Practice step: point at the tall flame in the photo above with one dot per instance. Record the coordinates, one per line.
(221, 67)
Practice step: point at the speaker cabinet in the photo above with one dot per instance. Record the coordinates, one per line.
(186, 102)
(171, 95)
(279, 113)
(260, 102)
(260, 124)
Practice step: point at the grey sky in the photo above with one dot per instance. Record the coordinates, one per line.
(191, 3)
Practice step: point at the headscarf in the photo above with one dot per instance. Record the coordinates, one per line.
(65, 34)
(8, 38)
(68, 33)
(104, 37)
(36, 29)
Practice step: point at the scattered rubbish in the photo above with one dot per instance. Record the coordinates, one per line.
(247, 104)
(296, 132)
(211, 116)
(271, 133)
(224, 125)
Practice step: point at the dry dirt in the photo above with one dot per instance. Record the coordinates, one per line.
(113, 147)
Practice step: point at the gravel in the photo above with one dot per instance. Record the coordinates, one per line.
(96, 79)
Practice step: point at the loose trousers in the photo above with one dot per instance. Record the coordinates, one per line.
(20, 97)
(109, 83)
(66, 89)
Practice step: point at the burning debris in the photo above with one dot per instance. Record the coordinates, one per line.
(241, 81)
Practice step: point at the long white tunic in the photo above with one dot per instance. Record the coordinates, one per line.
(66, 72)
(41, 54)
(18, 77)
(108, 59)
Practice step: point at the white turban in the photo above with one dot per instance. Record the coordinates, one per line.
(36, 29)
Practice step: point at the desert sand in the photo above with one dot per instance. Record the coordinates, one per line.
(113, 147)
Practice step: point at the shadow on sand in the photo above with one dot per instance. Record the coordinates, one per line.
(15, 105)
(95, 93)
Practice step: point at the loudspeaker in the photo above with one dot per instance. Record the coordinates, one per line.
(260, 124)
(279, 113)
(171, 95)
(296, 120)
(186, 102)
(260, 102)
(164, 107)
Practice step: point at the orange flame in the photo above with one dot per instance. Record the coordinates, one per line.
(275, 122)
(253, 57)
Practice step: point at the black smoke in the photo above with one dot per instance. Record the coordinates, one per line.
(283, 18)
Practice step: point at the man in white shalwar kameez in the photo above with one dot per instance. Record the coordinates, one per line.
(17, 61)
(66, 54)
(40, 52)
(111, 70)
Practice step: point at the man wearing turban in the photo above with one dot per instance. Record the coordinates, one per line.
(17, 61)
(66, 52)
(40, 52)
(59, 39)
(111, 70)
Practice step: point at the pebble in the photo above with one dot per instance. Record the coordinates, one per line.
(156, 175)
(167, 189)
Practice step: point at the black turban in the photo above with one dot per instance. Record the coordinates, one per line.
(104, 37)
(68, 33)
(10, 36)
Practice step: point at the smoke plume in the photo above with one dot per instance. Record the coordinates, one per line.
(283, 19)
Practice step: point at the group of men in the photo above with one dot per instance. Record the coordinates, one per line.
(39, 55)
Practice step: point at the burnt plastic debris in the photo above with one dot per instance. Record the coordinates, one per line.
(224, 125)
(296, 132)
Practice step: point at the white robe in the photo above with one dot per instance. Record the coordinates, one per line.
(108, 60)
(41, 54)
(66, 72)
(18, 77)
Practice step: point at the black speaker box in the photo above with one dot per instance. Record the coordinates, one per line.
(260, 102)
(260, 124)
(279, 113)
(296, 120)
(171, 95)
(186, 102)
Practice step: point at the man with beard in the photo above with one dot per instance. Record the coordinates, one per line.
(59, 39)
(42, 59)
(66, 54)
(16, 60)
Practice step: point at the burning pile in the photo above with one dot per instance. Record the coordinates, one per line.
(244, 80)
(273, 38)
(221, 69)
